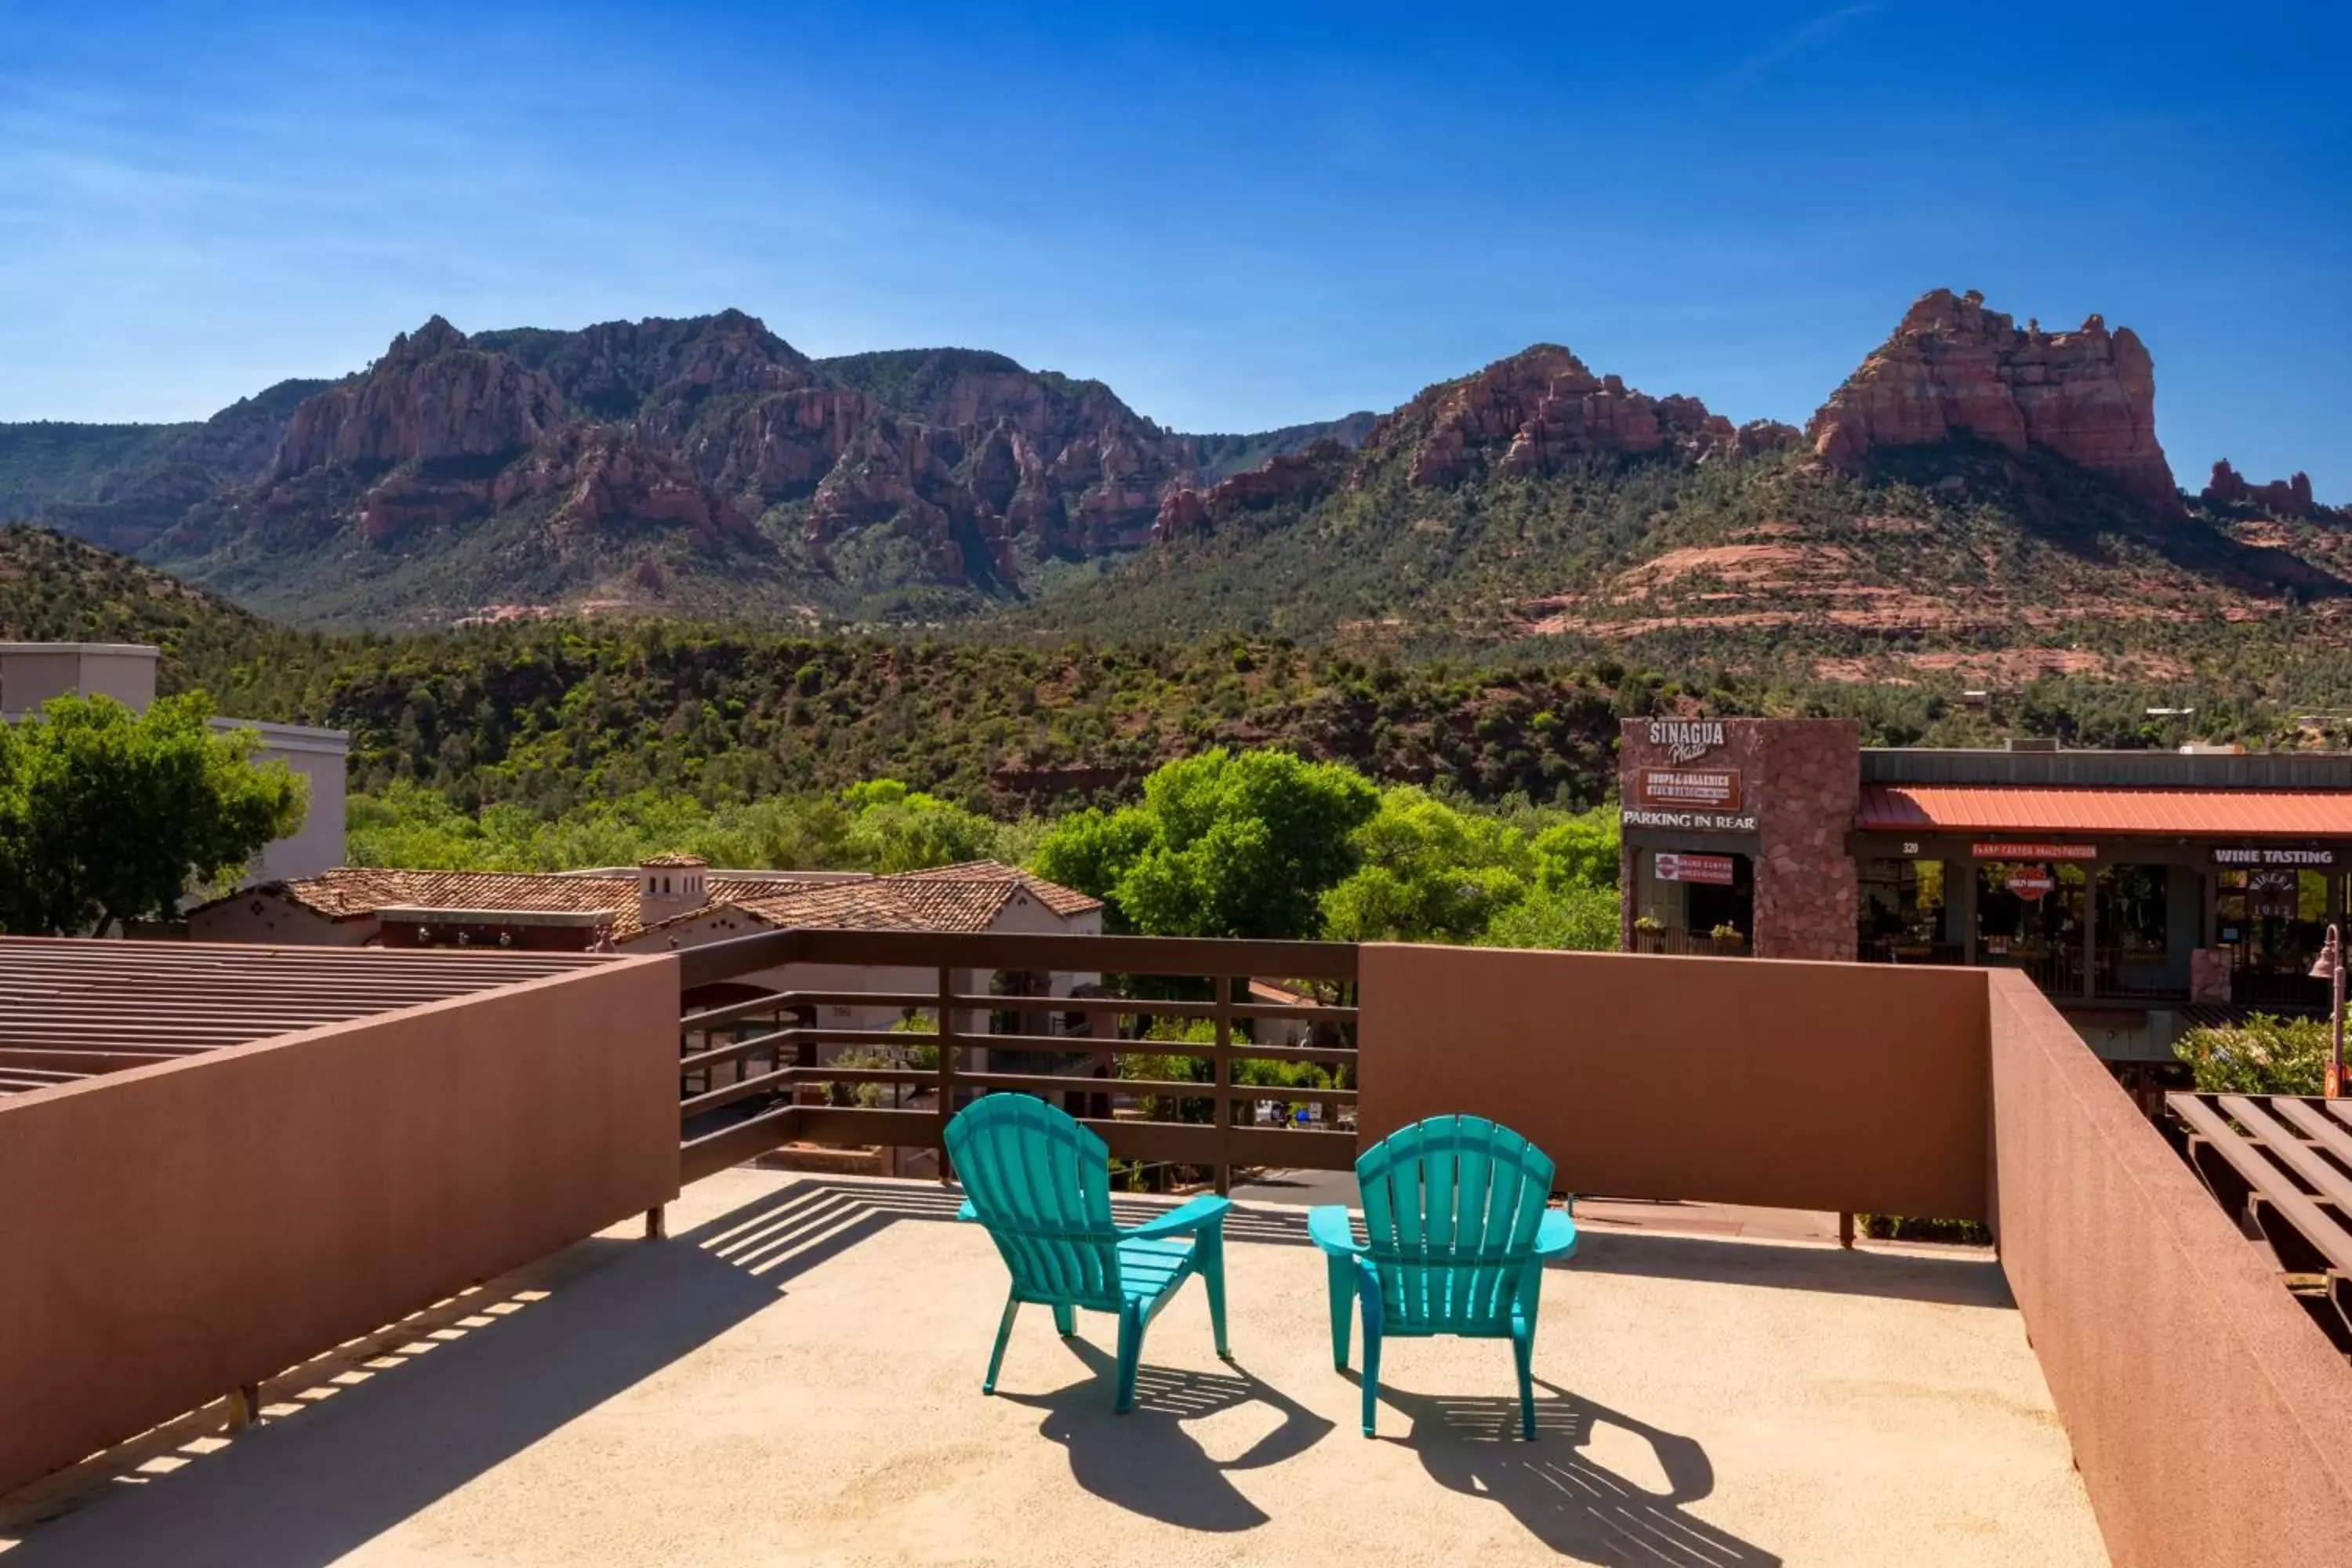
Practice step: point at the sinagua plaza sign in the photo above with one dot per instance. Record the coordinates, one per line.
(1703, 800)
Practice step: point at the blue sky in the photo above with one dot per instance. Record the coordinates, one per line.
(1237, 215)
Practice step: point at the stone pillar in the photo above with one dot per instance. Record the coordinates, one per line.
(1807, 893)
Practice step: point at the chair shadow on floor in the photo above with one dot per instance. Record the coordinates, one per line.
(1553, 1487)
(1145, 1461)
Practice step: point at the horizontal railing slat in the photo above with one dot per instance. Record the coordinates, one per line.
(961, 962)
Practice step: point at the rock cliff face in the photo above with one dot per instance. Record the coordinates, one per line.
(432, 395)
(1060, 461)
(1541, 410)
(1303, 477)
(2286, 497)
(1954, 367)
(701, 424)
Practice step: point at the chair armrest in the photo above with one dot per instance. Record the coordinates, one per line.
(1327, 1224)
(967, 1212)
(1556, 1236)
(1201, 1212)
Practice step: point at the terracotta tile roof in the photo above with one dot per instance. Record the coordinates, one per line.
(842, 906)
(347, 891)
(1062, 900)
(966, 898)
(2012, 808)
(662, 862)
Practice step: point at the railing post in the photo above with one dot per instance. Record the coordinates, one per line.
(1222, 1107)
(243, 1406)
(946, 1047)
(657, 1223)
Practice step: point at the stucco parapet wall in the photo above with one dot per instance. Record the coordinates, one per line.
(292, 737)
(2210, 1418)
(203, 1224)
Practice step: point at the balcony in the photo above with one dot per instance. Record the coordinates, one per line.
(389, 1296)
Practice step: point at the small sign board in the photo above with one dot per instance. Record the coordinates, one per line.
(1712, 869)
(2031, 882)
(1707, 789)
(1688, 821)
(2006, 851)
(2273, 894)
(2269, 855)
(1686, 739)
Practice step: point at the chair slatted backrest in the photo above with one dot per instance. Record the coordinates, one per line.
(1451, 1209)
(1041, 1184)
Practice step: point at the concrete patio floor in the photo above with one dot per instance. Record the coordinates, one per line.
(794, 1378)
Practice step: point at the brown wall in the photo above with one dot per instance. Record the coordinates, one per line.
(2211, 1420)
(1819, 1086)
(175, 1231)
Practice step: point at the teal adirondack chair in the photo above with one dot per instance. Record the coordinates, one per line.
(1457, 1228)
(1041, 1184)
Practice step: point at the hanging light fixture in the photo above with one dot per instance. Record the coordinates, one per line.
(2329, 966)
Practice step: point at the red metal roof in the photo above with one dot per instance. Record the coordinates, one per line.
(2009, 808)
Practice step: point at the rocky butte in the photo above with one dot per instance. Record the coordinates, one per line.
(1541, 410)
(1955, 368)
(2284, 498)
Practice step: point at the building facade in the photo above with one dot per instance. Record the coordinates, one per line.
(2143, 891)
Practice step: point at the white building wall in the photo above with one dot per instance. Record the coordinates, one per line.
(319, 756)
(33, 672)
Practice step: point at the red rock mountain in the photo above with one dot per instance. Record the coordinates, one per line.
(2285, 497)
(1954, 367)
(1540, 410)
(431, 395)
(1535, 412)
(1303, 477)
(696, 430)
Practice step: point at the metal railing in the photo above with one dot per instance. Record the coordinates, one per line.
(1903, 950)
(946, 1014)
(1690, 943)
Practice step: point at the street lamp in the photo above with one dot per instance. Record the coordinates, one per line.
(2330, 968)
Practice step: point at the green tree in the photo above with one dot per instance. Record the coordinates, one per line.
(895, 828)
(1428, 872)
(1224, 843)
(1090, 850)
(1580, 918)
(107, 815)
(1580, 852)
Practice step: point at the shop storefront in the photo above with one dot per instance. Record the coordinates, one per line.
(2136, 888)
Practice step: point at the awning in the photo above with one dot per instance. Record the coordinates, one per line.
(2203, 813)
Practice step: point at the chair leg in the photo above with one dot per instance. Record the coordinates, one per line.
(1003, 1333)
(1523, 1345)
(1343, 1307)
(1523, 1350)
(1211, 1248)
(1370, 1298)
(1130, 1355)
(1066, 1318)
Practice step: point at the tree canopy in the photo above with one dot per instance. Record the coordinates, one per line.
(109, 815)
(1224, 844)
(880, 824)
